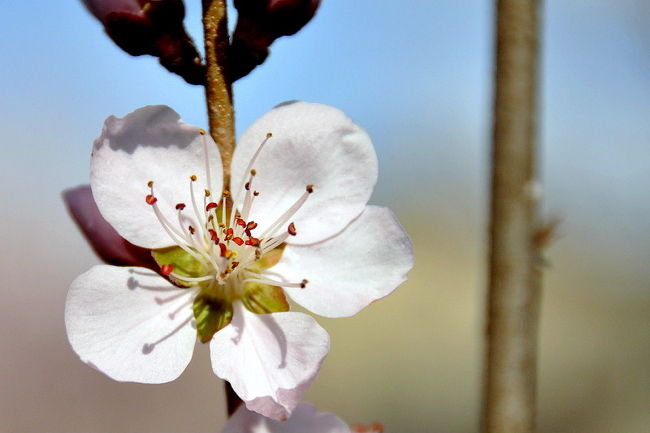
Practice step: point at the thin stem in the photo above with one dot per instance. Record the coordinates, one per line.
(218, 89)
(218, 95)
(509, 399)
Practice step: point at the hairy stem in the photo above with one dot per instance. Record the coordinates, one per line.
(221, 116)
(218, 89)
(509, 398)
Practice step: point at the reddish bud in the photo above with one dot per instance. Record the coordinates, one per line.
(259, 23)
(152, 27)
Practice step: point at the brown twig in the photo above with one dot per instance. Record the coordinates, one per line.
(218, 89)
(218, 95)
(509, 399)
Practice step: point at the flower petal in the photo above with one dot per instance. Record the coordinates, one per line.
(304, 419)
(345, 273)
(269, 359)
(151, 143)
(130, 324)
(102, 237)
(312, 144)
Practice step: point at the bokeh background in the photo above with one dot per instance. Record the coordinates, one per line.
(417, 76)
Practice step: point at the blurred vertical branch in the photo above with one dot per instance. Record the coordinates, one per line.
(218, 95)
(218, 88)
(509, 398)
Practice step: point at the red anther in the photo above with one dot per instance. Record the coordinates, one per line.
(303, 284)
(150, 199)
(223, 249)
(253, 242)
(247, 186)
(251, 225)
(241, 222)
(248, 232)
(166, 269)
(256, 193)
(234, 264)
(191, 229)
(229, 231)
(210, 206)
(238, 241)
(292, 229)
(180, 206)
(377, 427)
(213, 235)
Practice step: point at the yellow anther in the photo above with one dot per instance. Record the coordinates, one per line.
(202, 131)
(207, 193)
(150, 183)
(253, 172)
(193, 178)
(310, 188)
(226, 193)
(269, 135)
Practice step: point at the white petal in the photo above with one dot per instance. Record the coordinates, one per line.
(365, 262)
(152, 143)
(130, 324)
(312, 144)
(269, 359)
(304, 419)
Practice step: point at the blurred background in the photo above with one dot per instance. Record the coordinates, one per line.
(418, 78)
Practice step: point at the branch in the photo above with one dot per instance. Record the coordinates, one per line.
(218, 89)
(509, 399)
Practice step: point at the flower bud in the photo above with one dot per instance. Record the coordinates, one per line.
(260, 22)
(152, 27)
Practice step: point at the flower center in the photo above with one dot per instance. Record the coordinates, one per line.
(225, 241)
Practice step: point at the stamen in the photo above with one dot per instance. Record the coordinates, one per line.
(206, 157)
(150, 199)
(191, 279)
(166, 269)
(292, 229)
(180, 206)
(210, 206)
(289, 213)
(239, 241)
(271, 282)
